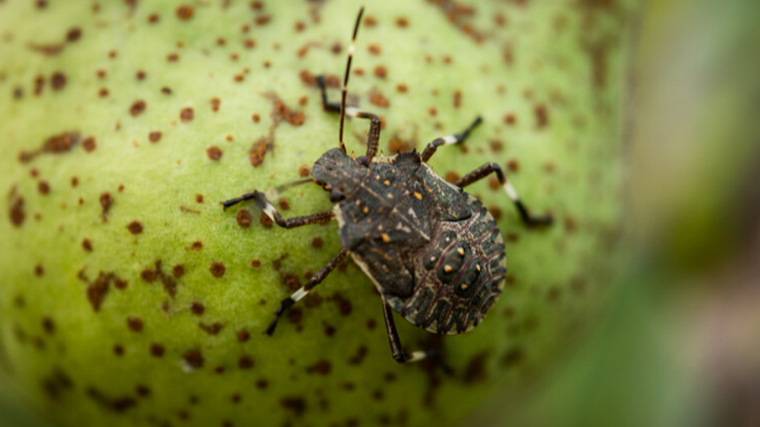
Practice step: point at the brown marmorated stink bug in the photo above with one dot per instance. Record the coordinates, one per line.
(434, 253)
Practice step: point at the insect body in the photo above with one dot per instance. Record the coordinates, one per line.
(434, 253)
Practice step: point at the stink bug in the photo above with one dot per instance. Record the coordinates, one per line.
(434, 252)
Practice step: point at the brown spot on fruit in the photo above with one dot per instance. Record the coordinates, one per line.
(154, 136)
(245, 362)
(39, 271)
(510, 119)
(186, 115)
(261, 384)
(193, 358)
(451, 176)
(106, 201)
(137, 108)
(243, 335)
(322, 367)
(118, 350)
(344, 305)
(135, 227)
(120, 283)
(157, 350)
(48, 325)
(149, 275)
(374, 49)
(255, 263)
(512, 357)
(380, 72)
(358, 358)
(184, 12)
(73, 34)
(476, 368)
(214, 153)
(58, 80)
(140, 75)
(317, 242)
(178, 271)
(457, 98)
(265, 221)
(197, 308)
(402, 22)
(97, 290)
(56, 144)
(211, 329)
(542, 115)
(244, 218)
(295, 404)
(87, 245)
(377, 98)
(196, 245)
(217, 269)
(16, 212)
(89, 144)
(43, 187)
(135, 324)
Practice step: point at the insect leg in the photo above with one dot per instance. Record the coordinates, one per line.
(451, 139)
(248, 196)
(373, 136)
(262, 203)
(397, 351)
(487, 169)
(297, 295)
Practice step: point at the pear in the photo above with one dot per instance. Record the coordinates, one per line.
(128, 296)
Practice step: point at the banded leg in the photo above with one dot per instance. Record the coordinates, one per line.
(262, 203)
(373, 136)
(451, 139)
(313, 282)
(397, 351)
(489, 168)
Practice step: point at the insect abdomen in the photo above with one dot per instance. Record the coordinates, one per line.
(458, 275)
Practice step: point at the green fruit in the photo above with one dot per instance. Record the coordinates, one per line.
(128, 295)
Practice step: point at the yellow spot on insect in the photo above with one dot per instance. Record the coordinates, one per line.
(389, 195)
(460, 251)
(447, 268)
(448, 239)
(477, 267)
(386, 238)
(377, 177)
(432, 259)
(358, 202)
(365, 210)
(386, 183)
(463, 287)
(417, 195)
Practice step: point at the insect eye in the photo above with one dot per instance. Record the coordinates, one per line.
(336, 195)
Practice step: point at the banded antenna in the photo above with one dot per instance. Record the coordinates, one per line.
(344, 91)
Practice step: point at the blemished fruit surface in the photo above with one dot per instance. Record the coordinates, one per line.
(127, 295)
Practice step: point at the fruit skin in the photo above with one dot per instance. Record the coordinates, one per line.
(126, 293)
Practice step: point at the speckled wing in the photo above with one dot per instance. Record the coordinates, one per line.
(383, 224)
(459, 274)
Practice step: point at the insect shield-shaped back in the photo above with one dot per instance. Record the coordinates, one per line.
(338, 173)
(459, 274)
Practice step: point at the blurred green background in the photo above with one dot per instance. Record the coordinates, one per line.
(680, 345)
(680, 342)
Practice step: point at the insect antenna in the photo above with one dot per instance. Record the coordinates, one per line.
(344, 91)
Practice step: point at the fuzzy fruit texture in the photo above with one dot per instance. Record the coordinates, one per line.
(128, 295)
